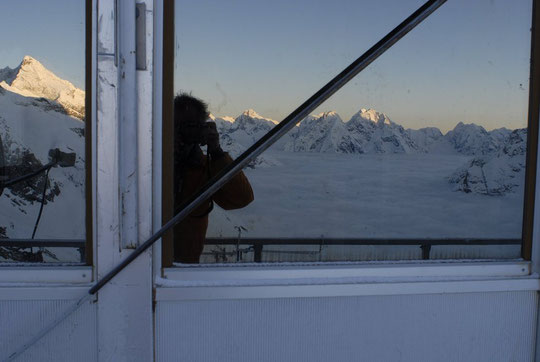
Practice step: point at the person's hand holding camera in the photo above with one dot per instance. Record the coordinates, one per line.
(212, 140)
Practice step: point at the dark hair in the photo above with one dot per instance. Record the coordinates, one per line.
(188, 109)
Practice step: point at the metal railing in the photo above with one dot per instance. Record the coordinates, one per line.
(47, 243)
(257, 244)
(80, 244)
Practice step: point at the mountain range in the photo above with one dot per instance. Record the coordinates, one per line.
(496, 163)
(53, 106)
(367, 132)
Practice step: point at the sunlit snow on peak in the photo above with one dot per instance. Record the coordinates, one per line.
(32, 79)
(372, 115)
(224, 118)
(252, 114)
(228, 119)
(330, 114)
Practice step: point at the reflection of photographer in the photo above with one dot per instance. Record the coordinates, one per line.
(192, 169)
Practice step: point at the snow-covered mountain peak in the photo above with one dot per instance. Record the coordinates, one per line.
(470, 127)
(372, 115)
(29, 59)
(472, 139)
(227, 119)
(328, 115)
(31, 63)
(249, 115)
(32, 79)
(224, 118)
(251, 123)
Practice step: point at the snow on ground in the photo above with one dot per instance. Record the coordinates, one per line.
(30, 127)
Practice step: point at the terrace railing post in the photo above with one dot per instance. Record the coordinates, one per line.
(257, 251)
(426, 249)
(321, 249)
(82, 254)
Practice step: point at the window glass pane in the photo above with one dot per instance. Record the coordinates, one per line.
(42, 123)
(424, 148)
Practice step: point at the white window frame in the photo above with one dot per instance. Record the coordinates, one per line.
(260, 280)
(61, 274)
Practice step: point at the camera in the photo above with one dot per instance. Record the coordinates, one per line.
(197, 133)
(203, 135)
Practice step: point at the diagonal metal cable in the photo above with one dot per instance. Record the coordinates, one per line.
(43, 195)
(250, 154)
(281, 129)
(28, 176)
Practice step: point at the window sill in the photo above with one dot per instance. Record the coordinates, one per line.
(344, 279)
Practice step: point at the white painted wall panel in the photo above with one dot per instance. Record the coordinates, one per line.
(496, 326)
(73, 340)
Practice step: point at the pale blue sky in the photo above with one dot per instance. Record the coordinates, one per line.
(467, 62)
(52, 31)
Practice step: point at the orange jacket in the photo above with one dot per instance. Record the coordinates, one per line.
(190, 234)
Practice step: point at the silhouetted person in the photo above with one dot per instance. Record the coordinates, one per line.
(192, 170)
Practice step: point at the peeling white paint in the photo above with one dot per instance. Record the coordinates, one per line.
(106, 28)
(125, 305)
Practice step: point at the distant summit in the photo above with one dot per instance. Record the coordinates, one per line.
(250, 114)
(372, 115)
(32, 79)
(471, 139)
